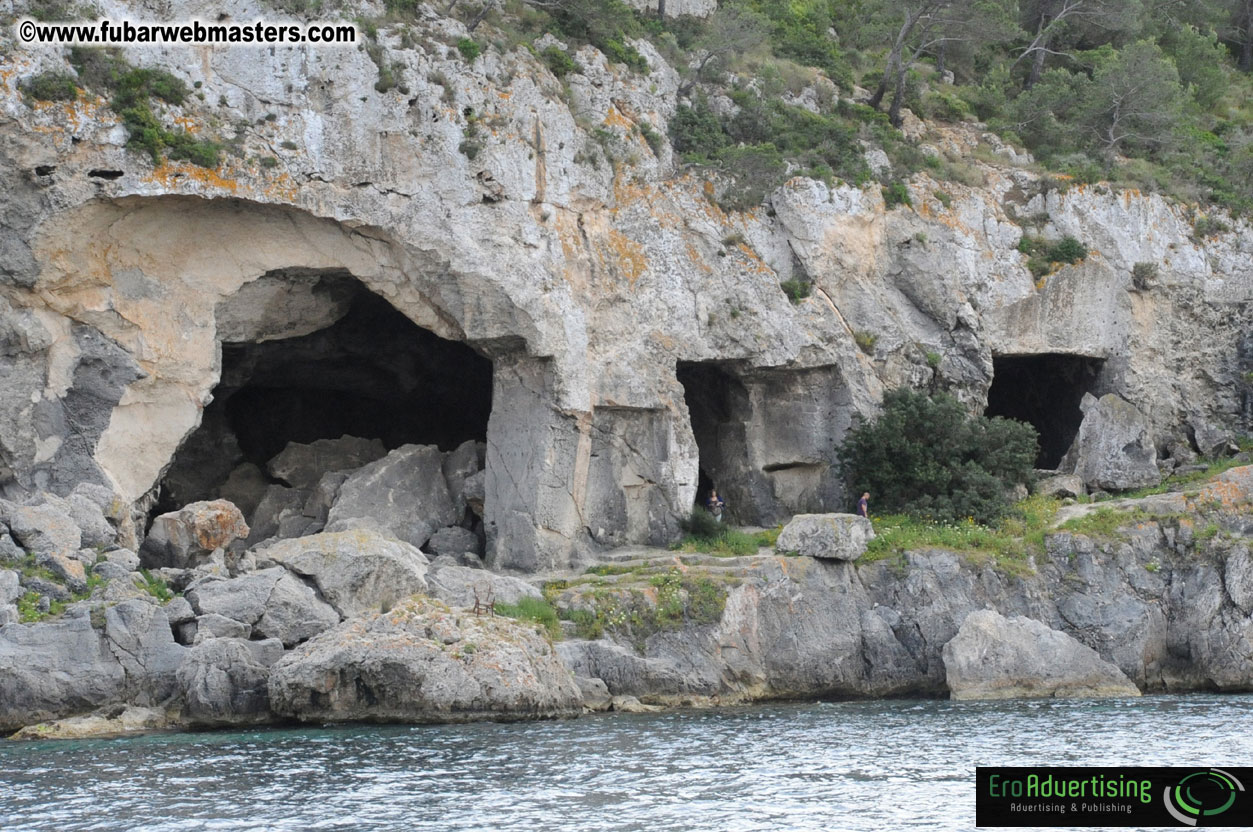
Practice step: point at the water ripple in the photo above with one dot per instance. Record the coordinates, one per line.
(884, 765)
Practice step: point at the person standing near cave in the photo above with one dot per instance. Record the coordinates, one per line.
(715, 504)
(863, 505)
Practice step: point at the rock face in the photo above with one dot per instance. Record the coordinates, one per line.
(828, 536)
(994, 657)
(52, 670)
(590, 300)
(458, 586)
(357, 572)
(187, 537)
(1161, 603)
(1115, 451)
(422, 662)
(224, 681)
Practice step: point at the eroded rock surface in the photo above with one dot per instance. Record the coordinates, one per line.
(994, 657)
(424, 662)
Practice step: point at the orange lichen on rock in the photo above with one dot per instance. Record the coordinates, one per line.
(624, 254)
(177, 176)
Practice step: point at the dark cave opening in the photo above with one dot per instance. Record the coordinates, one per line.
(1044, 390)
(718, 404)
(372, 373)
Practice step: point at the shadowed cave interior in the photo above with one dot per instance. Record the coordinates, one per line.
(372, 373)
(719, 406)
(1044, 390)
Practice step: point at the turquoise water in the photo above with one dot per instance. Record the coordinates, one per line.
(882, 765)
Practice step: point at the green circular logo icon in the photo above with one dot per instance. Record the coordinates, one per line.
(1202, 795)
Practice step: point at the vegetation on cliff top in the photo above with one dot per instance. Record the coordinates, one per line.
(1154, 95)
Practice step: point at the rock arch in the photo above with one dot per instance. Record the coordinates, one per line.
(136, 295)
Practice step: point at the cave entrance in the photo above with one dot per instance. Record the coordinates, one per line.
(720, 408)
(1044, 390)
(308, 356)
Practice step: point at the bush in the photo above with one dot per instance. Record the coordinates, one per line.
(895, 193)
(796, 290)
(469, 49)
(51, 86)
(696, 131)
(1067, 250)
(701, 525)
(1143, 275)
(926, 457)
(866, 341)
(557, 61)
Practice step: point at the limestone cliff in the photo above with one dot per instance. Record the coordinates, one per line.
(637, 333)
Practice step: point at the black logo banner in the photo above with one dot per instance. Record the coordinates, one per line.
(1114, 796)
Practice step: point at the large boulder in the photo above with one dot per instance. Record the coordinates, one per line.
(463, 462)
(302, 465)
(1114, 450)
(279, 507)
(224, 681)
(402, 495)
(357, 571)
(188, 537)
(139, 635)
(424, 662)
(271, 603)
(48, 532)
(458, 586)
(454, 540)
(54, 669)
(993, 657)
(1061, 485)
(43, 529)
(830, 536)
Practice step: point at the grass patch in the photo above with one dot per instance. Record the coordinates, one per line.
(1213, 467)
(538, 610)
(705, 535)
(668, 601)
(155, 586)
(1105, 522)
(1008, 544)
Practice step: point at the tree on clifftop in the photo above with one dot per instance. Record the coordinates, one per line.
(927, 457)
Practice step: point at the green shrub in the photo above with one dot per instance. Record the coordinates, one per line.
(557, 61)
(51, 86)
(654, 139)
(696, 131)
(469, 49)
(1208, 227)
(1143, 275)
(131, 91)
(945, 199)
(865, 341)
(895, 193)
(796, 290)
(927, 457)
(1067, 250)
(701, 525)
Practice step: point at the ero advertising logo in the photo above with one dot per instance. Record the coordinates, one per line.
(1113, 796)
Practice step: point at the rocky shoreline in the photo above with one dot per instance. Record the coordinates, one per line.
(357, 625)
